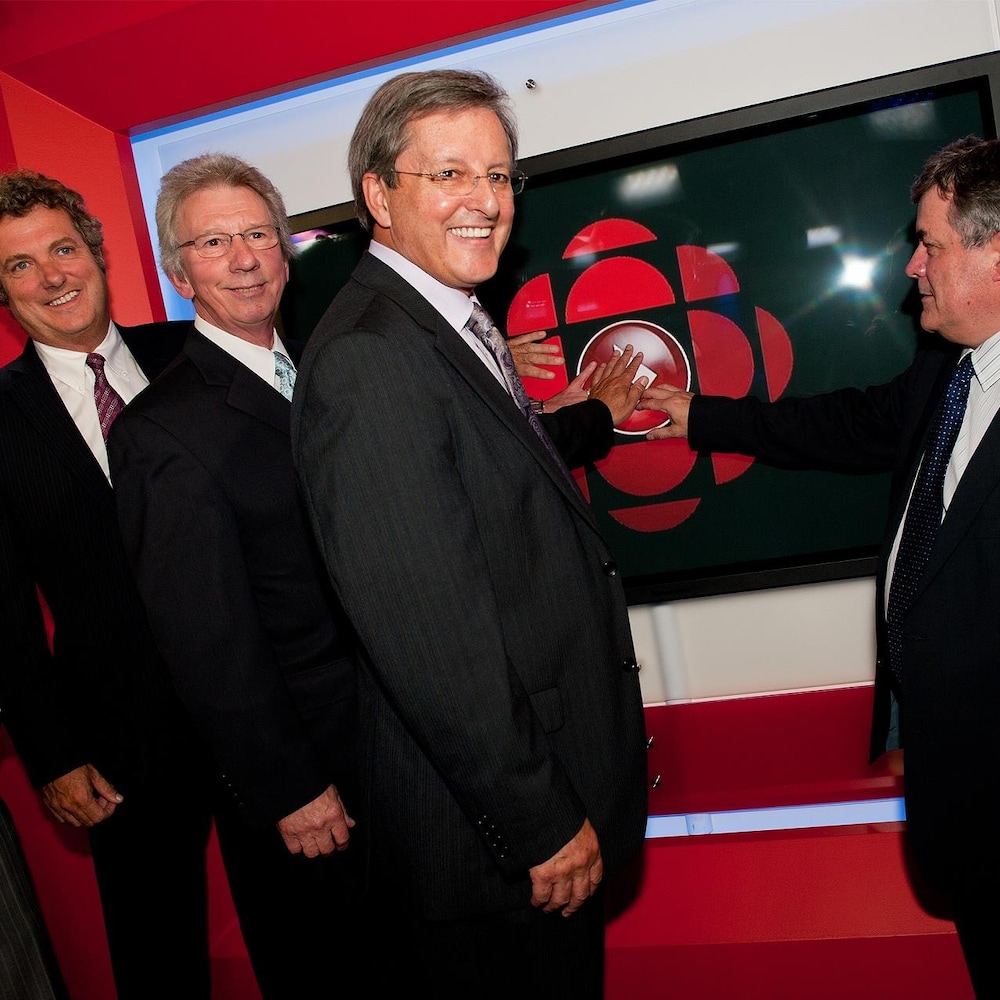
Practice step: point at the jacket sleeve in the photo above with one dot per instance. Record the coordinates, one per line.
(183, 540)
(582, 433)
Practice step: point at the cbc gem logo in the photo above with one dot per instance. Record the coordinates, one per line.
(617, 293)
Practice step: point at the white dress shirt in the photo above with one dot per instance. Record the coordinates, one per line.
(453, 304)
(982, 407)
(74, 381)
(260, 360)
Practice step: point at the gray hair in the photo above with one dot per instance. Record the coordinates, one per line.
(967, 170)
(383, 132)
(208, 171)
(22, 191)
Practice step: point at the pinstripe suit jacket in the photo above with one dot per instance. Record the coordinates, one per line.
(101, 695)
(500, 703)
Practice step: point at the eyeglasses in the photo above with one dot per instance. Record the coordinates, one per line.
(217, 244)
(458, 183)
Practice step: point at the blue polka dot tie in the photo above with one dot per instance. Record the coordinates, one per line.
(485, 329)
(924, 513)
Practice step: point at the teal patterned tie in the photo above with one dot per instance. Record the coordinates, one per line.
(284, 372)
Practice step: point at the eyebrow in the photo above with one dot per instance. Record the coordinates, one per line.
(221, 230)
(62, 241)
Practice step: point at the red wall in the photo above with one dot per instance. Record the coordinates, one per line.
(789, 915)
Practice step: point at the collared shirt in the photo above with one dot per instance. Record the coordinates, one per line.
(980, 410)
(260, 360)
(452, 303)
(74, 381)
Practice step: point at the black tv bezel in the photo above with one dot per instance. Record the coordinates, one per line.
(979, 71)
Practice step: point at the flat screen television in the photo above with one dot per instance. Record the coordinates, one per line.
(756, 251)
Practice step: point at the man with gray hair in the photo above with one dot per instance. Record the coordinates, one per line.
(501, 737)
(236, 597)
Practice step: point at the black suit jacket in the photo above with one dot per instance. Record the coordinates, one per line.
(500, 700)
(951, 636)
(236, 596)
(102, 695)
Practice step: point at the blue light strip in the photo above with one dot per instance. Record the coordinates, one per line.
(802, 817)
(396, 65)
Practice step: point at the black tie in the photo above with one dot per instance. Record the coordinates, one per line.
(926, 508)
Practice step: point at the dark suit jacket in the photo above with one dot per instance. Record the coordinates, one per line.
(582, 432)
(501, 703)
(236, 596)
(951, 637)
(102, 696)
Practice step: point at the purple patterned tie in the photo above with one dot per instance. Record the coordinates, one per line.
(926, 507)
(109, 403)
(486, 330)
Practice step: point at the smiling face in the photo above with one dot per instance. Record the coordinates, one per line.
(55, 288)
(456, 239)
(240, 291)
(959, 286)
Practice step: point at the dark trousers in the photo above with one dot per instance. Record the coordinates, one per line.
(977, 921)
(299, 916)
(28, 967)
(524, 953)
(149, 859)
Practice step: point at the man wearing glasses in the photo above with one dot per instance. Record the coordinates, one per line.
(236, 597)
(501, 727)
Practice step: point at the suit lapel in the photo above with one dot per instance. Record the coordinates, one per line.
(978, 483)
(35, 395)
(247, 392)
(373, 273)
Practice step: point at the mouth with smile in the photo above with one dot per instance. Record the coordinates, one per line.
(472, 232)
(63, 299)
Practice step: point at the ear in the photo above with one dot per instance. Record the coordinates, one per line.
(377, 199)
(993, 247)
(182, 285)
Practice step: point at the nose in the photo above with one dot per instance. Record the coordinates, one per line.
(917, 265)
(483, 197)
(241, 257)
(52, 273)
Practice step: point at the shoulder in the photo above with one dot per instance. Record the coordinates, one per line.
(155, 344)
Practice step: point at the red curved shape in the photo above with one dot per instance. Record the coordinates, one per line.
(581, 480)
(614, 286)
(607, 234)
(705, 275)
(657, 516)
(776, 346)
(722, 354)
(532, 308)
(647, 468)
(729, 467)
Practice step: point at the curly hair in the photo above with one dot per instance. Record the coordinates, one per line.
(21, 191)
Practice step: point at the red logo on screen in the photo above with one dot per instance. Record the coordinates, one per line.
(723, 356)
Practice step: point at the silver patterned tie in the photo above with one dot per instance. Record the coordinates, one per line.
(486, 330)
(284, 373)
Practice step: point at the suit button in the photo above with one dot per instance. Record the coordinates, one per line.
(610, 568)
(631, 665)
